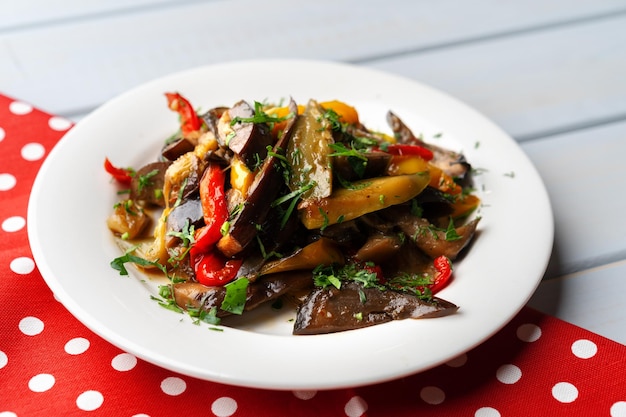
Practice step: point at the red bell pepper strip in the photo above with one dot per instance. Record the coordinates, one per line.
(189, 120)
(443, 266)
(212, 269)
(213, 199)
(205, 239)
(210, 266)
(121, 175)
(401, 149)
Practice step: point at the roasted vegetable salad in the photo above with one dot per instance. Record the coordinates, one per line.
(299, 203)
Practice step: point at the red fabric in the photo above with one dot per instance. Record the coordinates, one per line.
(50, 364)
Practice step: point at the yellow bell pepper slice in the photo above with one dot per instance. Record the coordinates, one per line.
(362, 197)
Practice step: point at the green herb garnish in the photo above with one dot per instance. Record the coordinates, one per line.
(293, 198)
(119, 263)
(451, 233)
(202, 315)
(236, 295)
(260, 117)
(146, 179)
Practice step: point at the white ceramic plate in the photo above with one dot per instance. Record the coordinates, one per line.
(72, 246)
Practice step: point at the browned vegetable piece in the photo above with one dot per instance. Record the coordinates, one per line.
(432, 241)
(375, 166)
(193, 295)
(321, 252)
(452, 163)
(127, 219)
(379, 247)
(147, 184)
(329, 310)
(408, 260)
(270, 287)
(347, 234)
(182, 177)
(248, 140)
(262, 192)
(211, 118)
(308, 153)
(187, 214)
(177, 148)
(435, 247)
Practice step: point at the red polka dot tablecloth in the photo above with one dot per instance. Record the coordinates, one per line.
(52, 365)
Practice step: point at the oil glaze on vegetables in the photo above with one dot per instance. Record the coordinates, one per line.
(299, 203)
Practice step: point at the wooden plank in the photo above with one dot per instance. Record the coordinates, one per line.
(584, 174)
(593, 299)
(536, 83)
(451, 15)
(69, 69)
(28, 13)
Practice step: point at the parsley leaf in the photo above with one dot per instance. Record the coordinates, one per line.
(451, 233)
(260, 117)
(186, 235)
(167, 301)
(145, 180)
(118, 263)
(236, 296)
(356, 159)
(325, 276)
(293, 197)
(202, 315)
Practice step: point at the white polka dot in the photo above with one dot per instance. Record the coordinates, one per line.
(31, 326)
(77, 346)
(7, 181)
(19, 108)
(13, 224)
(458, 361)
(141, 415)
(33, 151)
(355, 407)
(564, 392)
(41, 383)
(432, 395)
(584, 349)
(7, 414)
(124, 362)
(618, 409)
(528, 332)
(59, 123)
(305, 395)
(2, 134)
(4, 359)
(224, 407)
(22, 265)
(89, 400)
(508, 374)
(173, 386)
(487, 412)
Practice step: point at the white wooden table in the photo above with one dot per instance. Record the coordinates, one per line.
(550, 72)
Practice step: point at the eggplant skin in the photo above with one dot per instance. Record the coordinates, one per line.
(146, 183)
(266, 185)
(330, 310)
(251, 139)
(197, 296)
